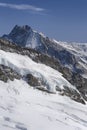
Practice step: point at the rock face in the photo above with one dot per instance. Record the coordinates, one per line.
(33, 81)
(16, 32)
(7, 73)
(25, 37)
(73, 95)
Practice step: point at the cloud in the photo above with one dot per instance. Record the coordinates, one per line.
(21, 7)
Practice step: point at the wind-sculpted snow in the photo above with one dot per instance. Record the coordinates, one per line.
(26, 108)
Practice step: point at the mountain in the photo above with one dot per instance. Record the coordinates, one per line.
(25, 37)
(71, 57)
(38, 70)
(43, 82)
(34, 93)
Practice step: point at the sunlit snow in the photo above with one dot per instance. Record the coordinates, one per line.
(23, 107)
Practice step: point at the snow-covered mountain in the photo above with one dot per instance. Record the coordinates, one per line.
(36, 96)
(71, 56)
(36, 69)
(25, 37)
(42, 82)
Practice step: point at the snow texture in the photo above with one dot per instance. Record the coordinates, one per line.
(25, 108)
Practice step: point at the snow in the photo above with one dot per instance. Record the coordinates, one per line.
(25, 108)
(42, 34)
(79, 50)
(75, 48)
(24, 65)
(33, 40)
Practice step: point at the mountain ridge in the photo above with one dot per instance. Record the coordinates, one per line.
(67, 53)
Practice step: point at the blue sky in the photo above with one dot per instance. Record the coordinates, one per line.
(64, 20)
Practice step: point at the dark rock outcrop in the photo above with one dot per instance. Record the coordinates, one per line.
(32, 80)
(7, 73)
(73, 94)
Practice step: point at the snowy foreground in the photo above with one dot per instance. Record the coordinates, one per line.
(23, 107)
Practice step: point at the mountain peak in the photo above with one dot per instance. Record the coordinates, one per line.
(19, 34)
(26, 27)
(18, 28)
(25, 36)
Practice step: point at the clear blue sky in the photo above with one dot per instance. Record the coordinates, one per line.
(64, 20)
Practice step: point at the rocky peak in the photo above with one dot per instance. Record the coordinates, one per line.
(24, 27)
(18, 30)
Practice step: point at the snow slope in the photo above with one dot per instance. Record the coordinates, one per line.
(25, 108)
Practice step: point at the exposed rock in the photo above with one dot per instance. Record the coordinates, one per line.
(7, 73)
(73, 94)
(32, 80)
